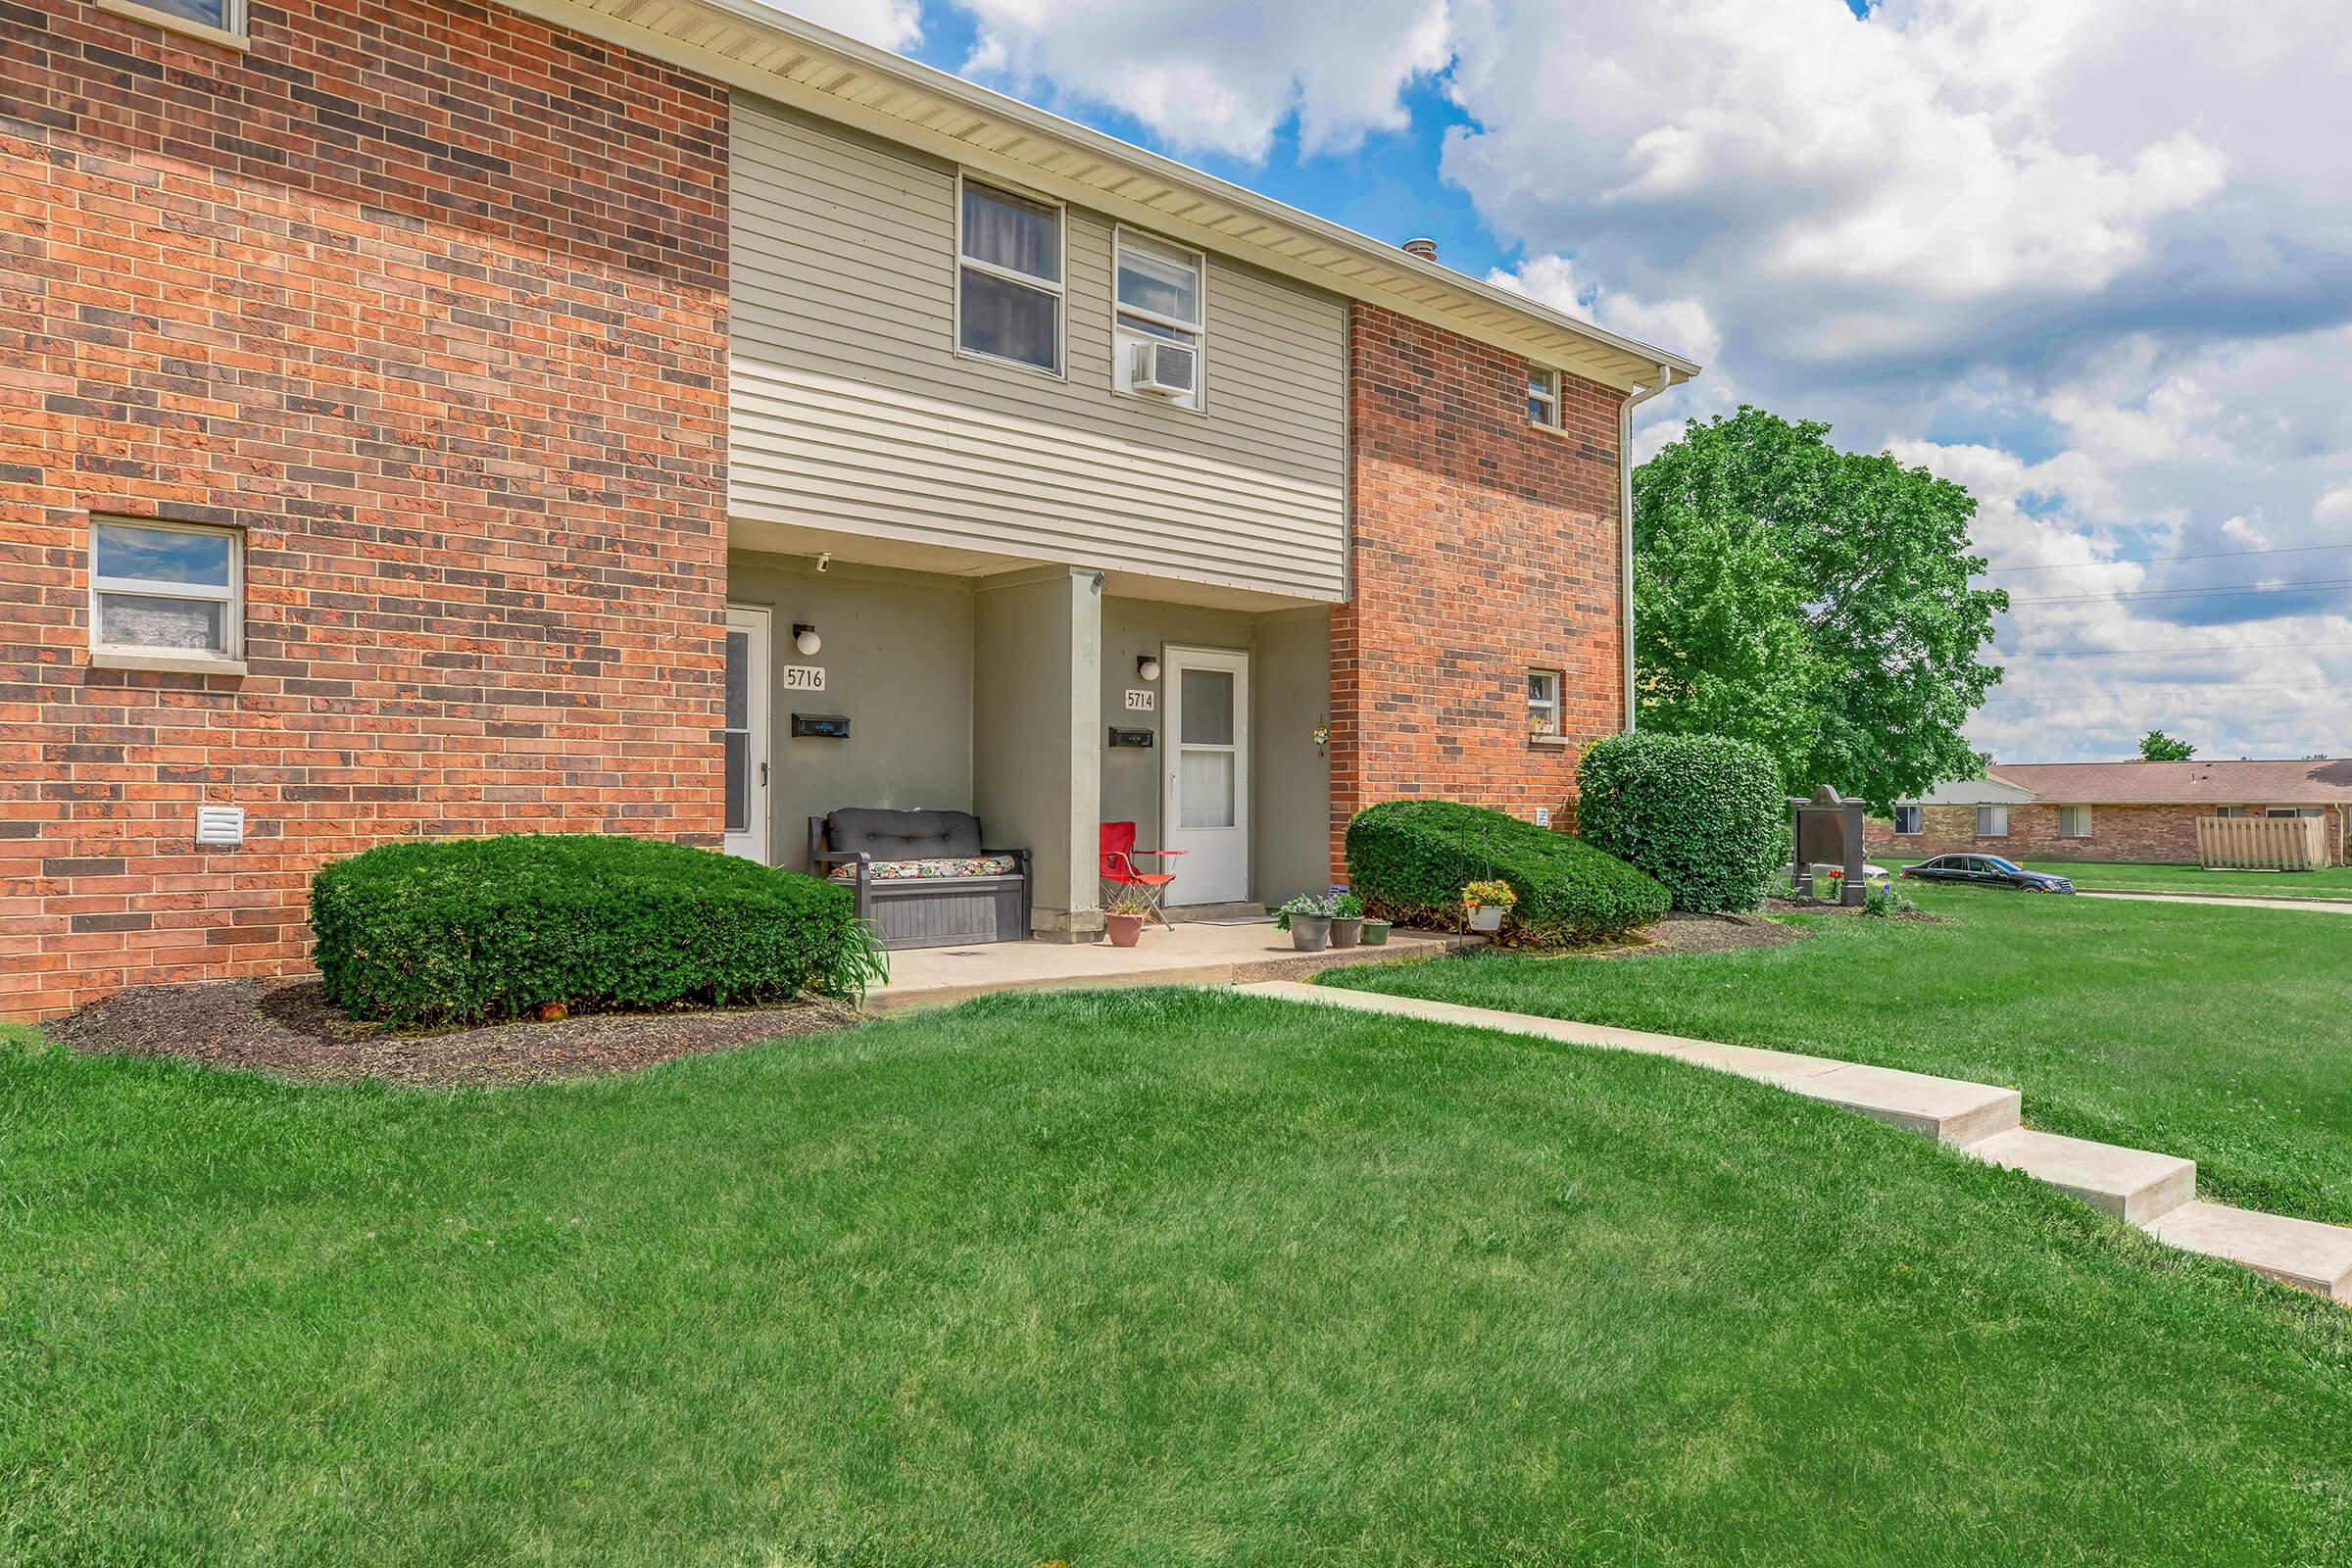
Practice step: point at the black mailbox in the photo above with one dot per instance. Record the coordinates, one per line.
(820, 726)
(1131, 737)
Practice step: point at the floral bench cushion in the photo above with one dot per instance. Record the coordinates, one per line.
(943, 865)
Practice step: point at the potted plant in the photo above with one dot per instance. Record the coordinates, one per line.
(1307, 919)
(1346, 918)
(1374, 933)
(1123, 916)
(1487, 903)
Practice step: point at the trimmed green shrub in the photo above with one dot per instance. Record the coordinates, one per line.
(472, 929)
(1409, 861)
(1702, 814)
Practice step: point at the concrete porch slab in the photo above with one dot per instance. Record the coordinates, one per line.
(1192, 953)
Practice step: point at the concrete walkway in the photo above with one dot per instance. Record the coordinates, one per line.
(2155, 1192)
(2234, 901)
(1194, 953)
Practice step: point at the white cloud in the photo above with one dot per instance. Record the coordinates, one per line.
(1219, 76)
(884, 23)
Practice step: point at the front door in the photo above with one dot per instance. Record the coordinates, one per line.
(1204, 807)
(745, 733)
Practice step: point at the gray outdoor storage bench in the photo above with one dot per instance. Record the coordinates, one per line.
(922, 878)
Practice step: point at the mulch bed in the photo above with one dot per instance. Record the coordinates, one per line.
(1816, 906)
(288, 1028)
(1682, 932)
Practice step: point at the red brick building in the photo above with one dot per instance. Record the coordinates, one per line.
(425, 418)
(2145, 812)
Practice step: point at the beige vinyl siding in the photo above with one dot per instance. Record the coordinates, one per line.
(852, 409)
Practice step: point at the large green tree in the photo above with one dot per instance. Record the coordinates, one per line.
(1814, 601)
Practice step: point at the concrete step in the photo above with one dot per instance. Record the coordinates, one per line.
(1950, 1110)
(2132, 1184)
(1203, 914)
(2301, 1252)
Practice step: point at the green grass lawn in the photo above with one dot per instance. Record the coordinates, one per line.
(1115, 1278)
(2222, 1034)
(2335, 882)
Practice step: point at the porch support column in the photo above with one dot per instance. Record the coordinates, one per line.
(1037, 736)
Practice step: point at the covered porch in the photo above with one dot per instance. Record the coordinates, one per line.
(1044, 700)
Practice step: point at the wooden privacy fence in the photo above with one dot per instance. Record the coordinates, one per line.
(2263, 843)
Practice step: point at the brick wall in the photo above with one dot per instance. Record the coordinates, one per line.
(429, 299)
(2145, 835)
(1483, 547)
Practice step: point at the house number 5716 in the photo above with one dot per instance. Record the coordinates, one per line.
(804, 677)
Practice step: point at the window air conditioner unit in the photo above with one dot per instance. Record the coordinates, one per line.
(1164, 370)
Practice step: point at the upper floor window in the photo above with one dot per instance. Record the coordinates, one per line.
(1009, 275)
(1159, 300)
(167, 588)
(221, 22)
(1543, 701)
(1910, 819)
(1543, 397)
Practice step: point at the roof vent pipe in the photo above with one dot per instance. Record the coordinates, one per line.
(1423, 246)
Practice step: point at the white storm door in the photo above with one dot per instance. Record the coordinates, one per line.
(1204, 807)
(746, 734)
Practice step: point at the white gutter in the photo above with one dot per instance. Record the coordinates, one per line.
(1625, 514)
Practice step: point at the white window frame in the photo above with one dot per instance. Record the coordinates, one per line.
(2229, 814)
(232, 619)
(1997, 817)
(1122, 376)
(1057, 287)
(1549, 396)
(2290, 813)
(2078, 816)
(1534, 706)
(1919, 821)
(229, 35)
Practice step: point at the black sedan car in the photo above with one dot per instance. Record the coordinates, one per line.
(1986, 871)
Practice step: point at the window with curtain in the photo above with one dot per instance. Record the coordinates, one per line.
(1009, 283)
(2073, 822)
(1909, 819)
(1543, 701)
(1993, 821)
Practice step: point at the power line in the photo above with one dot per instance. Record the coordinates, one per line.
(2216, 689)
(2190, 593)
(2142, 560)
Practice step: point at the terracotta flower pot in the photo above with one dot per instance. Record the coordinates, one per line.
(1310, 933)
(1124, 929)
(1346, 931)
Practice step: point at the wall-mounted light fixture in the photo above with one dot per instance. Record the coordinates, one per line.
(806, 639)
(1145, 668)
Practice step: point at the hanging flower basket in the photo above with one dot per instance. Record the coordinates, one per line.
(1487, 903)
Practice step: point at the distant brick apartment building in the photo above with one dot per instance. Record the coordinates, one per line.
(2124, 811)
(428, 419)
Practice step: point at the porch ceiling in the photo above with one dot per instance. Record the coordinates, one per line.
(871, 549)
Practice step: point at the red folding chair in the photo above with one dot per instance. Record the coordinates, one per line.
(1120, 870)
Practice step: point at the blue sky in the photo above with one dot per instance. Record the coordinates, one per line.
(2089, 260)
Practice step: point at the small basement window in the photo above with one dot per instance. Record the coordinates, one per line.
(169, 588)
(1543, 701)
(1008, 284)
(2073, 822)
(1543, 397)
(1993, 821)
(1910, 819)
(221, 22)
